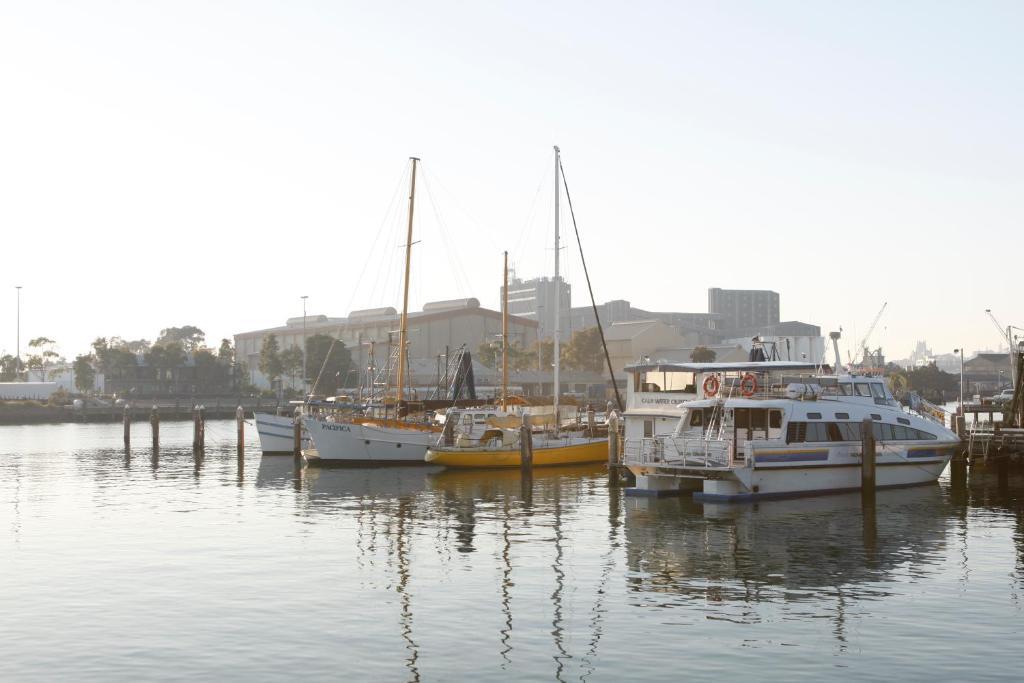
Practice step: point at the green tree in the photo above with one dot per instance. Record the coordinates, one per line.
(8, 368)
(336, 371)
(270, 358)
(44, 356)
(85, 374)
(190, 336)
(291, 363)
(931, 382)
(164, 358)
(226, 352)
(702, 354)
(584, 351)
(112, 358)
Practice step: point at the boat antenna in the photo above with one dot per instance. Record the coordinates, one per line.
(402, 331)
(593, 303)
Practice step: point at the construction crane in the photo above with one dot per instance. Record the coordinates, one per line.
(1006, 332)
(864, 342)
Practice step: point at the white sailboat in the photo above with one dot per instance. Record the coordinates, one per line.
(370, 439)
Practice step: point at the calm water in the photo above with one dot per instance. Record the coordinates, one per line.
(115, 568)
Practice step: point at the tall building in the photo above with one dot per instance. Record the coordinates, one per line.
(535, 299)
(744, 308)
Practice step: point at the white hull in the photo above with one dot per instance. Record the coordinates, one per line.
(344, 442)
(839, 470)
(277, 434)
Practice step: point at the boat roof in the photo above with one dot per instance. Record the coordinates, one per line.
(746, 366)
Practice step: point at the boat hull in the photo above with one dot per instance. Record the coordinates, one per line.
(477, 458)
(763, 481)
(277, 433)
(360, 444)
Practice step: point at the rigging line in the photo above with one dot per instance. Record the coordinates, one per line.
(454, 199)
(448, 245)
(385, 294)
(593, 302)
(532, 213)
(376, 239)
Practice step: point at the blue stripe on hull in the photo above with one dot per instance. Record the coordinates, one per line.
(806, 456)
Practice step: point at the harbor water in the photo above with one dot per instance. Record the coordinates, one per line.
(118, 567)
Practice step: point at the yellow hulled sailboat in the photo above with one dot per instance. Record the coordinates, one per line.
(499, 446)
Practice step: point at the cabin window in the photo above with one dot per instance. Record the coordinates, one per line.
(883, 432)
(796, 432)
(813, 416)
(816, 432)
(696, 418)
(467, 419)
(877, 390)
(876, 416)
(648, 428)
(775, 419)
(842, 416)
(918, 434)
(901, 432)
(846, 389)
(863, 389)
(834, 433)
(850, 431)
(479, 419)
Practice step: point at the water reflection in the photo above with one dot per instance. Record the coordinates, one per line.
(416, 573)
(794, 550)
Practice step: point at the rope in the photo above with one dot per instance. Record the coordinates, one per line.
(593, 302)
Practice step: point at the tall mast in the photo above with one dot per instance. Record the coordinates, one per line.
(504, 337)
(402, 330)
(558, 292)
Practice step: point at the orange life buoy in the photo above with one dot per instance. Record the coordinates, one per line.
(748, 385)
(711, 385)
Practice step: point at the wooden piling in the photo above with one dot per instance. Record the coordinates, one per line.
(154, 423)
(613, 449)
(297, 438)
(127, 422)
(526, 448)
(240, 425)
(867, 461)
(202, 428)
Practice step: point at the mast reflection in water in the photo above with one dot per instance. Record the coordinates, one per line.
(120, 568)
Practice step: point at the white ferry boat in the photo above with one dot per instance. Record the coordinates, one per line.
(769, 429)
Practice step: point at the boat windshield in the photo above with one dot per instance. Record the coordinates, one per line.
(659, 380)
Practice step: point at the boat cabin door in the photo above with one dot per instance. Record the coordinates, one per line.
(755, 424)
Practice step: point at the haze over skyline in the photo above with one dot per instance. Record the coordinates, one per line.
(203, 164)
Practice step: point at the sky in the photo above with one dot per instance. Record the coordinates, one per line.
(210, 163)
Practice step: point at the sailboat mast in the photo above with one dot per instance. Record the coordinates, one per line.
(558, 289)
(403, 329)
(504, 337)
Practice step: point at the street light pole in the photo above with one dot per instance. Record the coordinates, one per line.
(305, 380)
(17, 352)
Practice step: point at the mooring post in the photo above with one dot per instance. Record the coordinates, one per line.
(297, 437)
(240, 424)
(127, 421)
(867, 461)
(154, 423)
(202, 428)
(526, 447)
(613, 448)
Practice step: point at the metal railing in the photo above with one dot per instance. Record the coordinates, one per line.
(679, 451)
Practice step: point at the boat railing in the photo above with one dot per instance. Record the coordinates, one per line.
(678, 450)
